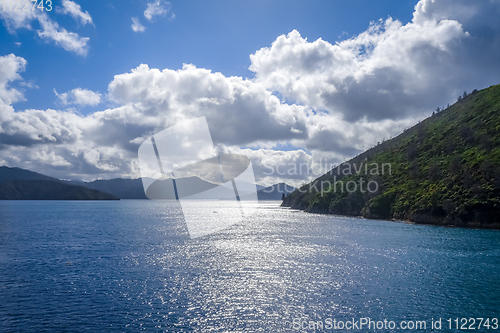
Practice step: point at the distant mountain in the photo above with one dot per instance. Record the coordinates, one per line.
(49, 190)
(274, 192)
(21, 184)
(445, 170)
(162, 189)
(122, 188)
(193, 187)
(7, 174)
(196, 188)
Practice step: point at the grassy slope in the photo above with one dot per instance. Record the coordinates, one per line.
(444, 170)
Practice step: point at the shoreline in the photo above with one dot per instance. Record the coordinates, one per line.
(473, 225)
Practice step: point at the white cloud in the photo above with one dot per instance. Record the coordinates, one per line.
(391, 70)
(239, 111)
(10, 67)
(74, 10)
(79, 97)
(50, 158)
(50, 30)
(272, 166)
(69, 41)
(349, 96)
(137, 26)
(157, 8)
(14, 20)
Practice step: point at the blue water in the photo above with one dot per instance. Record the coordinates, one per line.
(130, 266)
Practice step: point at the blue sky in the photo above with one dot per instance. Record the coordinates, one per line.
(284, 82)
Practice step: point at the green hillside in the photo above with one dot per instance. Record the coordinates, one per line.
(445, 170)
(49, 190)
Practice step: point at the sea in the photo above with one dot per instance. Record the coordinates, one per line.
(130, 266)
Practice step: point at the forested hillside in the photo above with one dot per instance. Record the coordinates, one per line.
(444, 170)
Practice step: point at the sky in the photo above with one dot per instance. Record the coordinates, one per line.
(288, 83)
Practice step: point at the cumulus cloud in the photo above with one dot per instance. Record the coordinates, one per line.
(29, 126)
(137, 26)
(79, 97)
(391, 70)
(272, 167)
(49, 29)
(238, 111)
(75, 10)
(329, 133)
(157, 8)
(328, 101)
(54, 142)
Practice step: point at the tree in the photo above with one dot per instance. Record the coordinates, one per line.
(449, 206)
(414, 169)
(283, 196)
(456, 164)
(485, 142)
(450, 146)
(468, 180)
(467, 134)
(434, 172)
(411, 151)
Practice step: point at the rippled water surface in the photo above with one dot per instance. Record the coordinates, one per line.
(129, 266)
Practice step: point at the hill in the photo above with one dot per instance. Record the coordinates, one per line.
(192, 187)
(196, 188)
(275, 192)
(21, 184)
(8, 174)
(444, 170)
(122, 188)
(49, 190)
